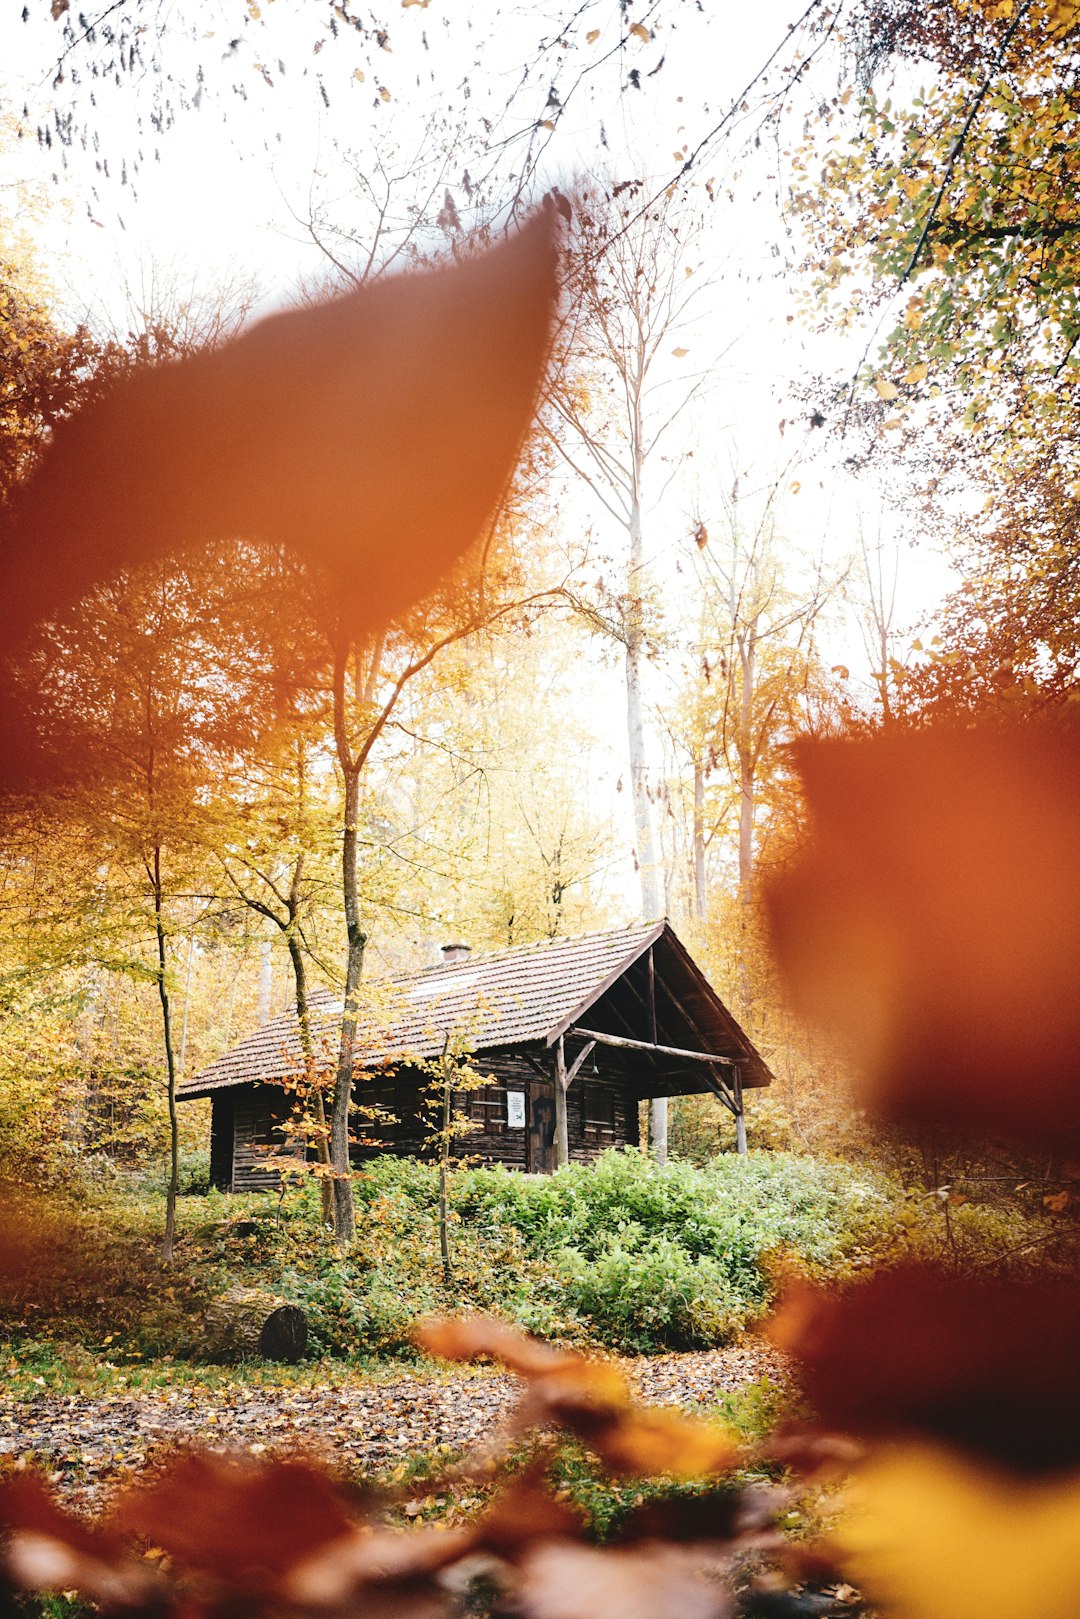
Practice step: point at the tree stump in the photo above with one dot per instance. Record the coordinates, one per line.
(248, 1321)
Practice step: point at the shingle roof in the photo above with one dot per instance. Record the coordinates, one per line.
(506, 998)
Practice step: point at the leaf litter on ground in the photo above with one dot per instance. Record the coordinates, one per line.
(373, 1423)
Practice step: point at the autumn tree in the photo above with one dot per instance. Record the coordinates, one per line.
(755, 682)
(631, 273)
(494, 791)
(138, 699)
(610, 410)
(942, 221)
(272, 839)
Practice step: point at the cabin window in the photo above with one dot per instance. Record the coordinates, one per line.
(487, 1107)
(599, 1108)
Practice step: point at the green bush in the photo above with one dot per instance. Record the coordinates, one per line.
(678, 1257)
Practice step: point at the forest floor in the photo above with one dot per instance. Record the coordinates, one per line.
(373, 1424)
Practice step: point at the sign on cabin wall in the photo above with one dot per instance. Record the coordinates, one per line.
(515, 1110)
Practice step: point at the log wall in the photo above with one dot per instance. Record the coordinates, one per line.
(257, 1114)
(397, 1113)
(221, 1139)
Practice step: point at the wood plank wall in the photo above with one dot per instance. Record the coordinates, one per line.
(395, 1115)
(256, 1139)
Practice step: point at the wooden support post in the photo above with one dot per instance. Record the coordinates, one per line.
(658, 1108)
(740, 1116)
(652, 998)
(562, 1144)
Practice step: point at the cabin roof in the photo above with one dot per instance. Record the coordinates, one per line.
(524, 996)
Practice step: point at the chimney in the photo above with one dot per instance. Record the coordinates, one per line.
(454, 952)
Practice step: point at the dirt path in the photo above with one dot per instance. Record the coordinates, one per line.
(88, 1444)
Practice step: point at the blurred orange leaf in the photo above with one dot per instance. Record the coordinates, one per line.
(590, 1399)
(934, 922)
(48, 1549)
(245, 1524)
(986, 1365)
(931, 1536)
(373, 434)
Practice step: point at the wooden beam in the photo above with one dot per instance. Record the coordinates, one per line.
(679, 1006)
(651, 1046)
(562, 1144)
(652, 997)
(572, 1071)
(723, 1095)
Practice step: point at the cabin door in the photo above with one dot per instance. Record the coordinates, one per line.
(540, 1132)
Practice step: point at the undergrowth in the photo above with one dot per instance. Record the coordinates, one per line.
(620, 1255)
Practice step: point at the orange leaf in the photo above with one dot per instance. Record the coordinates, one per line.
(649, 1440)
(247, 1524)
(49, 1550)
(467, 1337)
(588, 1398)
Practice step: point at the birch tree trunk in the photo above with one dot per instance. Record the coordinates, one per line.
(747, 645)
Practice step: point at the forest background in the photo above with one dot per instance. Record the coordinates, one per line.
(227, 775)
(711, 591)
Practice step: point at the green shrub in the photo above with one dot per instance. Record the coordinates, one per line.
(678, 1257)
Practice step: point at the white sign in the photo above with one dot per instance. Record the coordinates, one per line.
(515, 1110)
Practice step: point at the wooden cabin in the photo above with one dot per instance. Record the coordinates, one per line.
(567, 1036)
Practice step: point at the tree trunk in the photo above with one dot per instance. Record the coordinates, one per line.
(639, 779)
(701, 907)
(266, 972)
(444, 1167)
(747, 644)
(303, 1019)
(635, 725)
(246, 1321)
(169, 1241)
(344, 1209)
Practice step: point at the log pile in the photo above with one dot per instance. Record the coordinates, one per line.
(247, 1321)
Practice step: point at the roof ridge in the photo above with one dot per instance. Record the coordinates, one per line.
(474, 957)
